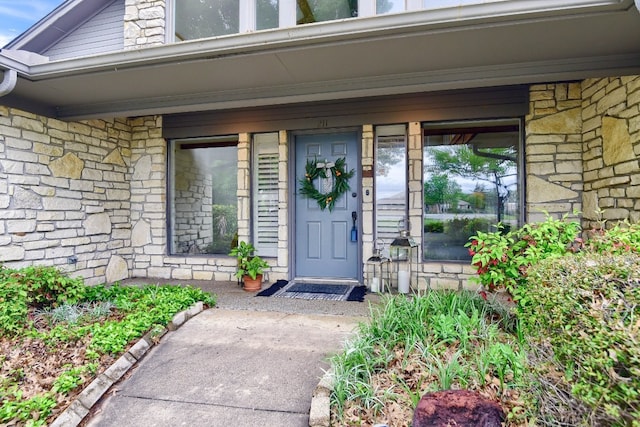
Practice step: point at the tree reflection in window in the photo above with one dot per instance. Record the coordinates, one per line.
(196, 19)
(470, 185)
(309, 11)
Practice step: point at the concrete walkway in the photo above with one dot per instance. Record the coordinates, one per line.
(230, 367)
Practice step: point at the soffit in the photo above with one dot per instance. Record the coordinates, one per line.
(385, 55)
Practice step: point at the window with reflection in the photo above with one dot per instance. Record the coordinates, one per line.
(471, 183)
(309, 11)
(267, 14)
(196, 19)
(203, 201)
(389, 6)
(391, 182)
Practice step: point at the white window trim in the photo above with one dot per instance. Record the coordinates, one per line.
(286, 14)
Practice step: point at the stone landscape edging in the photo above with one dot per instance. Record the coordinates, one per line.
(82, 404)
(320, 412)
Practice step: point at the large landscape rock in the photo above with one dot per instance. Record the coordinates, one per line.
(460, 408)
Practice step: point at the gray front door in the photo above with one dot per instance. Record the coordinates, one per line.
(324, 247)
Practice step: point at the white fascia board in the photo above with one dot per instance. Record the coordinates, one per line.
(443, 19)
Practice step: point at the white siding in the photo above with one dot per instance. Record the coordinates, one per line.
(102, 33)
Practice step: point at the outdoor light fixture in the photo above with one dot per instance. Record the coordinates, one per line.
(378, 269)
(402, 252)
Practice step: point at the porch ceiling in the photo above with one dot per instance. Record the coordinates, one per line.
(510, 42)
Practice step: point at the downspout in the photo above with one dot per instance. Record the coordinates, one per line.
(8, 82)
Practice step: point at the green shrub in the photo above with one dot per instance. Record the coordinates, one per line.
(13, 308)
(621, 238)
(433, 226)
(45, 286)
(587, 307)
(503, 258)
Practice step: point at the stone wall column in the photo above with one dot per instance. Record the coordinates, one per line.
(144, 23)
(244, 187)
(367, 194)
(553, 151)
(148, 197)
(283, 203)
(611, 133)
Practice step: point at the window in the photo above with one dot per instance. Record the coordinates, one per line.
(391, 182)
(471, 183)
(267, 14)
(196, 19)
(309, 11)
(203, 200)
(265, 193)
(389, 6)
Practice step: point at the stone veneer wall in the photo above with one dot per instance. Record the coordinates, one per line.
(64, 194)
(553, 149)
(144, 23)
(95, 190)
(611, 135)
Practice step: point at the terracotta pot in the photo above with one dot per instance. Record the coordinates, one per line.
(252, 285)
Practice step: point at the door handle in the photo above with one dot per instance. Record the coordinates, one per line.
(354, 230)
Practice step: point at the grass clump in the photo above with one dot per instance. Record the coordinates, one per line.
(441, 340)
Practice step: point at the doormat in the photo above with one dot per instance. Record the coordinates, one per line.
(317, 291)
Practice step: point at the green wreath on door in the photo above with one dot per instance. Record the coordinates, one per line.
(314, 170)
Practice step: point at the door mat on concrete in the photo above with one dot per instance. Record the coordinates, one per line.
(284, 289)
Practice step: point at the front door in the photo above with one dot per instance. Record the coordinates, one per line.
(325, 246)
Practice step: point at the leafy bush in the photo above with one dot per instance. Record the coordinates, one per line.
(45, 286)
(433, 226)
(92, 320)
(621, 238)
(503, 258)
(587, 308)
(13, 308)
(144, 308)
(34, 286)
(462, 228)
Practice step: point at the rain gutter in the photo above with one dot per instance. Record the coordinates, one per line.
(9, 80)
(334, 32)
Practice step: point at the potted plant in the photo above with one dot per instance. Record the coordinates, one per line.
(250, 266)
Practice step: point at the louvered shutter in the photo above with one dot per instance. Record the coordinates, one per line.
(265, 194)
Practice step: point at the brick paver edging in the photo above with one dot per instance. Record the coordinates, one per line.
(80, 407)
(320, 413)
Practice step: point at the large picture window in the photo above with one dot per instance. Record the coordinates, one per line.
(203, 199)
(471, 183)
